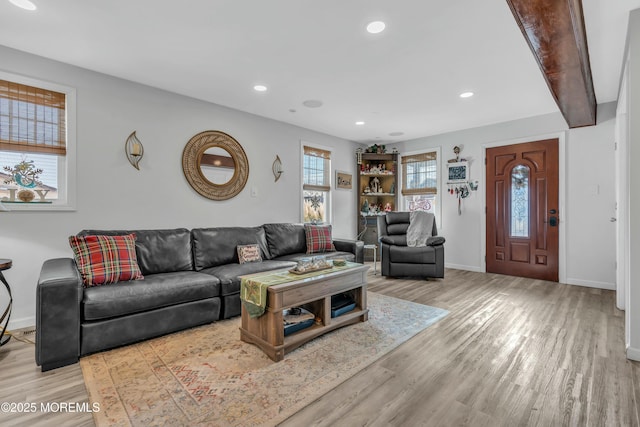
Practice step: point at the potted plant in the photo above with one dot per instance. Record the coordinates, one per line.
(25, 175)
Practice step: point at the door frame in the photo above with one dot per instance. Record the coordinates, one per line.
(562, 166)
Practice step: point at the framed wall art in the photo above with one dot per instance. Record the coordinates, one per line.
(458, 172)
(344, 180)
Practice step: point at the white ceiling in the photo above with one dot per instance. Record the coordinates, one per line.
(406, 79)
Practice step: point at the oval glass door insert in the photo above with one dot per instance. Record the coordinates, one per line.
(520, 201)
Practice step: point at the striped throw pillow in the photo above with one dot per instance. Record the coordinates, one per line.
(318, 238)
(106, 259)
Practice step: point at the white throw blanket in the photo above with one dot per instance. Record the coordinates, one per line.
(420, 226)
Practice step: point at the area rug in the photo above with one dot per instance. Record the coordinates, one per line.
(206, 376)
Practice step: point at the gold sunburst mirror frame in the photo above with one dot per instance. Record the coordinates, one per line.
(192, 165)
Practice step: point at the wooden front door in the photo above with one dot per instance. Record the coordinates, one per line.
(522, 210)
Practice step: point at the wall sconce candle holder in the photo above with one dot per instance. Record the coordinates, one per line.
(134, 150)
(277, 168)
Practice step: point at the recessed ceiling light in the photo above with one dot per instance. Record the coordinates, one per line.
(312, 103)
(466, 94)
(260, 88)
(360, 123)
(376, 27)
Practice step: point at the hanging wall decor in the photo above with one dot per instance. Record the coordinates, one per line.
(277, 168)
(459, 181)
(134, 150)
(215, 165)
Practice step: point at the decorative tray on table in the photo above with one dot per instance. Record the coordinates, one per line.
(306, 265)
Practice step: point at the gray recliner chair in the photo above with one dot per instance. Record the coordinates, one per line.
(400, 260)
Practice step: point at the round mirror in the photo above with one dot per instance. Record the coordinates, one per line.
(215, 165)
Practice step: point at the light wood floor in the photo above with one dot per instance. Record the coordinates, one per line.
(511, 352)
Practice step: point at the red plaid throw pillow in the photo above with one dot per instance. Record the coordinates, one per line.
(106, 259)
(318, 238)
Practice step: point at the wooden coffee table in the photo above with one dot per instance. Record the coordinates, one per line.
(314, 294)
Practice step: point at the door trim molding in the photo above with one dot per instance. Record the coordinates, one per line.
(562, 181)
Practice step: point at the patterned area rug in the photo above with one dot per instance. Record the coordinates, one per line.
(206, 376)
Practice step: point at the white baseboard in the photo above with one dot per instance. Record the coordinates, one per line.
(591, 284)
(464, 267)
(633, 353)
(24, 322)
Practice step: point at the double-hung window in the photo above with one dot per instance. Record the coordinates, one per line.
(34, 145)
(316, 167)
(420, 182)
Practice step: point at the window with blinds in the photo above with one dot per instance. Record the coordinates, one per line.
(316, 186)
(32, 119)
(316, 169)
(420, 174)
(420, 182)
(34, 144)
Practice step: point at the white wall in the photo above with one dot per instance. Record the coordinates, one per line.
(632, 312)
(112, 194)
(588, 175)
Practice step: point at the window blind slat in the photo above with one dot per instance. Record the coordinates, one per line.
(422, 157)
(414, 191)
(317, 152)
(310, 187)
(33, 148)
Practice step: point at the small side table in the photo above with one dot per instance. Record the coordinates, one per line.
(5, 264)
(375, 258)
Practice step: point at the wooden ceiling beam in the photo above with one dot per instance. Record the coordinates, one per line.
(555, 32)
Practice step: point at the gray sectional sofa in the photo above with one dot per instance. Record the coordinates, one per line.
(191, 277)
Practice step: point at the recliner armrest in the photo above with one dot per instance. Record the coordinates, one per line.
(58, 299)
(396, 240)
(356, 247)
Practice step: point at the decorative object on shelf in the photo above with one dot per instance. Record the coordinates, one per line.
(277, 168)
(377, 149)
(456, 151)
(25, 175)
(134, 150)
(374, 185)
(343, 180)
(214, 155)
(365, 207)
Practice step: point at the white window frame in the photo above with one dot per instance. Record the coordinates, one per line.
(438, 209)
(66, 164)
(329, 207)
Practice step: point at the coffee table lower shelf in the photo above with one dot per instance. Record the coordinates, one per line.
(267, 331)
(296, 339)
